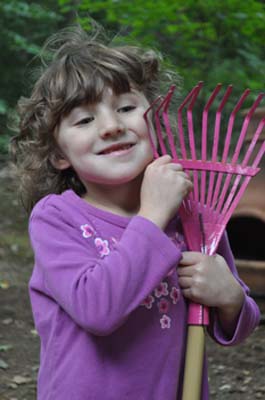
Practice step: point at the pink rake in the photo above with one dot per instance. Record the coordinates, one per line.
(219, 181)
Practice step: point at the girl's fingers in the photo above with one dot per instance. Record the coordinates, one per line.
(187, 294)
(191, 258)
(162, 160)
(177, 167)
(185, 282)
(185, 271)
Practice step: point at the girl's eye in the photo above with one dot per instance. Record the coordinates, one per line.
(126, 109)
(85, 121)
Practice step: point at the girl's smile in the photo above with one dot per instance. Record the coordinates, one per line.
(117, 149)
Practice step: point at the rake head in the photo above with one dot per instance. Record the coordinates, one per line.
(220, 172)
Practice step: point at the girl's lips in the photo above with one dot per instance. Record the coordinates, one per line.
(117, 149)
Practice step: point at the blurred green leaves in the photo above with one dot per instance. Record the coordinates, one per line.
(203, 39)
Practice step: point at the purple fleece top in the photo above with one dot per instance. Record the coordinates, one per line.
(107, 304)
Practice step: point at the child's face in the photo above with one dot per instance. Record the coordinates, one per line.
(106, 142)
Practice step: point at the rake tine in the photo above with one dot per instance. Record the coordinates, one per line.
(231, 124)
(259, 154)
(227, 144)
(237, 198)
(235, 158)
(204, 138)
(158, 122)
(216, 141)
(192, 141)
(167, 123)
(253, 144)
(230, 202)
(245, 127)
(150, 133)
(180, 123)
(162, 105)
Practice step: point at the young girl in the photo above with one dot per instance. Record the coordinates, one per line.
(112, 274)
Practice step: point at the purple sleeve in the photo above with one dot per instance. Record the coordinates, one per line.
(99, 293)
(249, 316)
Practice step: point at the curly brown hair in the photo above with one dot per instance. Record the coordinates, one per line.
(78, 69)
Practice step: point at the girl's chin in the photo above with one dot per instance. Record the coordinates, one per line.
(113, 181)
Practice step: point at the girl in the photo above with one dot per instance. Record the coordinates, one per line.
(112, 274)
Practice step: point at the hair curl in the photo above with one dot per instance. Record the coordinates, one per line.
(76, 70)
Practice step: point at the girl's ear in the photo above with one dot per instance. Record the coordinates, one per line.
(61, 164)
(58, 161)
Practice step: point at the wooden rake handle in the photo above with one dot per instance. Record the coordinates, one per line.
(194, 363)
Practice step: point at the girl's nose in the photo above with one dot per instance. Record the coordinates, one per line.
(111, 126)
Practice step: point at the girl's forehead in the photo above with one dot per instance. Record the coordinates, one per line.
(109, 96)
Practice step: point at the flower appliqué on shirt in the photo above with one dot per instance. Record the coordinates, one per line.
(163, 297)
(174, 295)
(163, 306)
(88, 231)
(162, 289)
(102, 245)
(165, 322)
(148, 302)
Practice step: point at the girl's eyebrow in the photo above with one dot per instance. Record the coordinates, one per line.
(76, 111)
(86, 108)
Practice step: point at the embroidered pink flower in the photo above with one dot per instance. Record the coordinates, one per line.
(174, 294)
(148, 302)
(88, 231)
(102, 246)
(163, 306)
(165, 322)
(161, 290)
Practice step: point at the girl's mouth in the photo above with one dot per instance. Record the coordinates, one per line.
(116, 149)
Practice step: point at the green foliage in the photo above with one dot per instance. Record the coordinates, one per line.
(206, 40)
(23, 28)
(203, 39)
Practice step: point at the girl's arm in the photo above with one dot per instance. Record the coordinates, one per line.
(98, 293)
(227, 328)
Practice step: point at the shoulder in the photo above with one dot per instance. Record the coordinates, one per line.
(53, 208)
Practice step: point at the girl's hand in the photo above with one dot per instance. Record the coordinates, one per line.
(163, 188)
(208, 280)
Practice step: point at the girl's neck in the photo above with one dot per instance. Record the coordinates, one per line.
(122, 199)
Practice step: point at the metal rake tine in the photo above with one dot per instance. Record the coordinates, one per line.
(164, 104)
(216, 141)
(245, 127)
(227, 145)
(255, 163)
(150, 134)
(180, 123)
(235, 158)
(259, 155)
(167, 123)
(204, 137)
(231, 124)
(205, 120)
(253, 168)
(252, 145)
(242, 189)
(192, 141)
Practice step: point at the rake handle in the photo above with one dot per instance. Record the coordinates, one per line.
(194, 363)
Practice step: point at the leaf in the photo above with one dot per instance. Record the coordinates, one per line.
(21, 380)
(4, 285)
(3, 364)
(5, 347)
